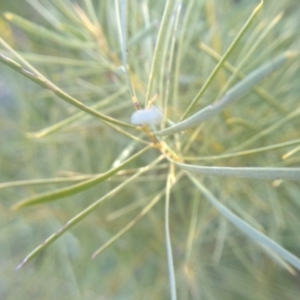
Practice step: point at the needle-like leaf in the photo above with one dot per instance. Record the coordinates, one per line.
(223, 59)
(246, 228)
(155, 66)
(84, 213)
(235, 93)
(46, 34)
(245, 172)
(77, 188)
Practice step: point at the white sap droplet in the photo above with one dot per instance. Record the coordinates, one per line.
(147, 116)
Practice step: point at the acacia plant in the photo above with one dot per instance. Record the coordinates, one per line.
(159, 124)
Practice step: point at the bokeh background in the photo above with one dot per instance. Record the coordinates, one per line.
(135, 266)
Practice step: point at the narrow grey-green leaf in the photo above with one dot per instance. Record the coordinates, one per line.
(44, 11)
(172, 279)
(245, 172)
(75, 117)
(123, 25)
(45, 83)
(79, 217)
(77, 188)
(223, 59)
(140, 215)
(155, 66)
(43, 181)
(46, 34)
(125, 228)
(235, 93)
(142, 34)
(262, 93)
(261, 239)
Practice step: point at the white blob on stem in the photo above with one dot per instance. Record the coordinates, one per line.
(147, 116)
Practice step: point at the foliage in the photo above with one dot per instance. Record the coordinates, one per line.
(203, 203)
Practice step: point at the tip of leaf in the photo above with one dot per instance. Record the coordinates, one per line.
(8, 16)
(34, 135)
(259, 6)
(291, 54)
(279, 16)
(15, 207)
(21, 264)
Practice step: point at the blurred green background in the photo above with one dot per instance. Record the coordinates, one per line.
(135, 266)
